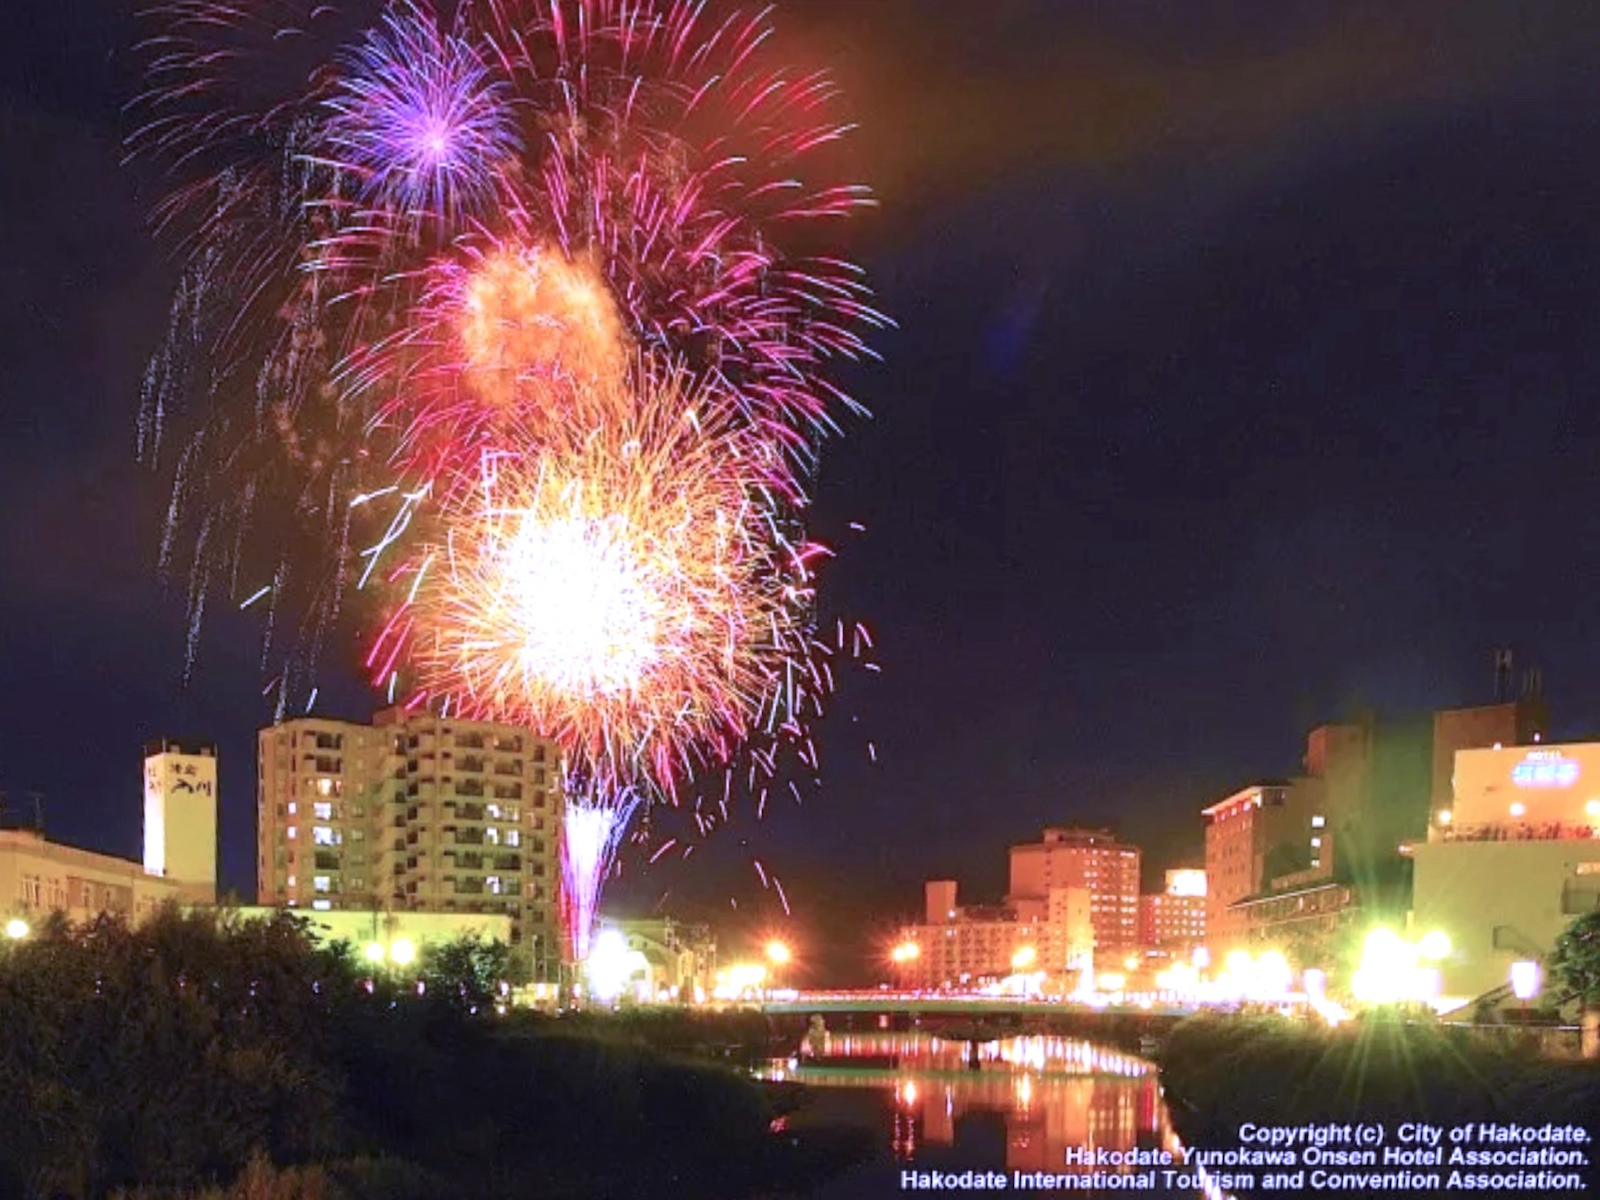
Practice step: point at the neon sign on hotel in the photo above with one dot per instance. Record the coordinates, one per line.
(1545, 769)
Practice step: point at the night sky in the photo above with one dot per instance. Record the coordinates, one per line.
(1245, 378)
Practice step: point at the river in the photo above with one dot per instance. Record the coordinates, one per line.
(1029, 1102)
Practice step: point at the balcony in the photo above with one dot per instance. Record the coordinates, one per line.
(508, 862)
(468, 837)
(513, 769)
(1517, 831)
(471, 763)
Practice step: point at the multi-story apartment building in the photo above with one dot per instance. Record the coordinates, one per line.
(1091, 859)
(414, 813)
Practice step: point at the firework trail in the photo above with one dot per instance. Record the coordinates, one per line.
(597, 816)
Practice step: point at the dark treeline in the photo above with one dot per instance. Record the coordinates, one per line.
(1219, 1073)
(193, 1052)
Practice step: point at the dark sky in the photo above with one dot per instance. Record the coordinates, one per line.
(1244, 376)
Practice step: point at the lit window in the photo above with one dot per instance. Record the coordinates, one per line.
(322, 811)
(324, 787)
(492, 882)
(322, 836)
(1316, 841)
(513, 837)
(319, 882)
(492, 836)
(293, 831)
(291, 881)
(1317, 822)
(494, 812)
(322, 905)
(293, 808)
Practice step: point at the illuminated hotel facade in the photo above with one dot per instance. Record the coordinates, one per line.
(956, 945)
(413, 813)
(1172, 922)
(1094, 861)
(1512, 860)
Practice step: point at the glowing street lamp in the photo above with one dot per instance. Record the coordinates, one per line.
(1435, 945)
(906, 952)
(1525, 980)
(777, 953)
(1023, 958)
(373, 952)
(403, 952)
(17, 929)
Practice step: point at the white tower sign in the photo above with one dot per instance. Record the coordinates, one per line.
(180, 812)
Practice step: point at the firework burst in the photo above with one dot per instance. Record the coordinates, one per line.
(631, 593)
(417, 117)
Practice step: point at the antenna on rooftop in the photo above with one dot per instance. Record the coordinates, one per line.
(1502, 676)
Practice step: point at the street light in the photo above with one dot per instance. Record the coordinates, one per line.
(374, 952)
(1023, 958)
(777, 953)
(403, 952)
(16, 929)
(1525, 981)
(906, 952)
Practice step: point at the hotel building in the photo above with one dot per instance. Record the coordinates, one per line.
(1088, 859)
(958, 945)
(38, 876)
(1513, 859)
(1172, 922)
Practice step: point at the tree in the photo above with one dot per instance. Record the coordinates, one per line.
(1576, 963)
(466, 973)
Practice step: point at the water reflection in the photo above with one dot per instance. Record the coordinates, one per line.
(1056, 1102)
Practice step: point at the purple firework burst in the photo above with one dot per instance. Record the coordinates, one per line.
(421, 119)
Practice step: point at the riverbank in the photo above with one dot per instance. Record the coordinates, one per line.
(1222, 1074)
(190, 1058)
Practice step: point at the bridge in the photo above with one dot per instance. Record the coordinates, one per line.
(977, 1018)
(915, 1004)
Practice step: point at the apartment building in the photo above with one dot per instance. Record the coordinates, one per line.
(416, 813)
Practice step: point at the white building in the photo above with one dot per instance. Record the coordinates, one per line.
(1512, 861)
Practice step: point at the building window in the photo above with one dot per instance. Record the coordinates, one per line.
(320, 883)
(293, 808)
(323, 836)
(492, 882)
(322, 811)
(322, 905)
(293, 832)
(513, 837)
